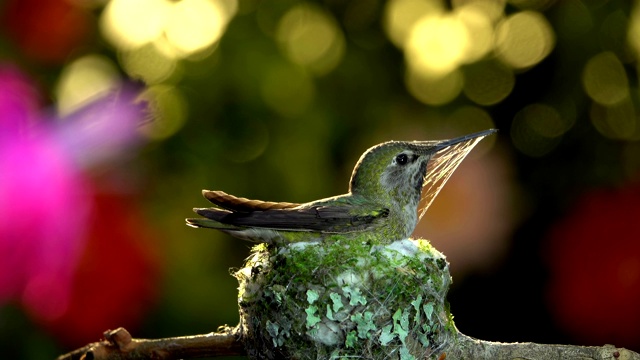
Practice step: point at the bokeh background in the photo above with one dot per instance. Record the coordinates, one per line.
(276, 100)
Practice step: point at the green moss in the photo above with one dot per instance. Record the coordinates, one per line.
(336, 299)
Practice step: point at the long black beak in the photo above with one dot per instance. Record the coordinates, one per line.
(446, 143)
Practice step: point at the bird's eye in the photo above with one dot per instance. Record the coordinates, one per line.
(402, 159)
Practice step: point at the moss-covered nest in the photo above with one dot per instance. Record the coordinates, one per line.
(333, 299)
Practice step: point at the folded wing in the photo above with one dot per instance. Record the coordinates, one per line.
(338, 217)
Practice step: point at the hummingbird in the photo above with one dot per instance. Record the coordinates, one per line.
(385, 193)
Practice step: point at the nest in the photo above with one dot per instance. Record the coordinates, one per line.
(338, 299)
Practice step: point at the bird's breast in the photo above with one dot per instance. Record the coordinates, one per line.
(410, 214)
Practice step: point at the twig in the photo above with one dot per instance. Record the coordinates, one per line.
(469, 348)
(118, 345)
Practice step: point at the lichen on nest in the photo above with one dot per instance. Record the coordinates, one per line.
(334, 299)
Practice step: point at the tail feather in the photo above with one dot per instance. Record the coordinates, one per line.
(242, 233)
(214, 219)
(208, 223)
(212, 213)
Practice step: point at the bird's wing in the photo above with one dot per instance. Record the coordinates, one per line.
(326, 218)
(240, 204)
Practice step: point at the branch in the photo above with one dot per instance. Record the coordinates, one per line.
(469, 348)
(118, 345)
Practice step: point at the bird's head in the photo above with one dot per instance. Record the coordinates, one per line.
(397, 171)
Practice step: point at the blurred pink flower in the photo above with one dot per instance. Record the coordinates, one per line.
(44, 203)
(19, 102)
(45, 199)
